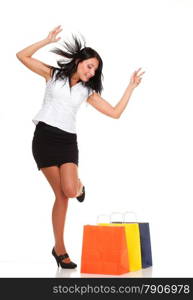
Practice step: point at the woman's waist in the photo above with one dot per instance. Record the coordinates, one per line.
(56, 130)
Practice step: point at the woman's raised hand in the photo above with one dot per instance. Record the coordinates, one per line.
(53, 33)
(136, 78)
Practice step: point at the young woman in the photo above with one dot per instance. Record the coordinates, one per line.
(77, 79)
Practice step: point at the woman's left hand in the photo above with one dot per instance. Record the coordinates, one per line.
(136, 78)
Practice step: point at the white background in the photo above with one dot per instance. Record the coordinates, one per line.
(141, 162)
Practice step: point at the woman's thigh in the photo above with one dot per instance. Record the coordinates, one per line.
(69, 179)
(53, 176)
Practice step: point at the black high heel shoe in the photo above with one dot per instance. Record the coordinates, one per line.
(59, 261)
(82, 196)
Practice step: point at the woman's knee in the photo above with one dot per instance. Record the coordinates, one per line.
(60, 195)
(69, 182)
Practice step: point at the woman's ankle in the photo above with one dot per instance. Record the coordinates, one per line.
(59, 249)
(80, 188)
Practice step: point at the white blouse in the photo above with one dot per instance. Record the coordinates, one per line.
(61, 103)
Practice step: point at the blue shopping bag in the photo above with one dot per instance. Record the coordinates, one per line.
(146, 253)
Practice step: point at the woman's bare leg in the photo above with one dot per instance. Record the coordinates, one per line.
(80, 186)
(59, 208)
(58, 220)
(70, 183)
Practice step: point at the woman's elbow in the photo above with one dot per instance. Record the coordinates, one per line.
(115, 115)
(18, 55)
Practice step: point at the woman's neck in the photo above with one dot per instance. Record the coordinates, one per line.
(74, 79)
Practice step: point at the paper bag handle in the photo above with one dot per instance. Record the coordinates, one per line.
(131, 213)
(118, 213)
(97, 220)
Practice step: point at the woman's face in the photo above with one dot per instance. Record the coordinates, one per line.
(87, 68)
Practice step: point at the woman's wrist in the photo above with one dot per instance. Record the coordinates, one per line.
(131, 86)
(46, 41)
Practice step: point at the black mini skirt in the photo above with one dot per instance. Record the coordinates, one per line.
(52, 146)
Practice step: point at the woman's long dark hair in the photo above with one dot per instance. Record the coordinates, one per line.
(77, 52)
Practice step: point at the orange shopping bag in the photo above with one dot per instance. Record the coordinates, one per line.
(104, 250)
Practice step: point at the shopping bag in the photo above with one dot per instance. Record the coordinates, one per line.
(145, 240)
(133, 242)
(104, 250)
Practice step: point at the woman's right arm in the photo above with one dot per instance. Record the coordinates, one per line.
(35, 65)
